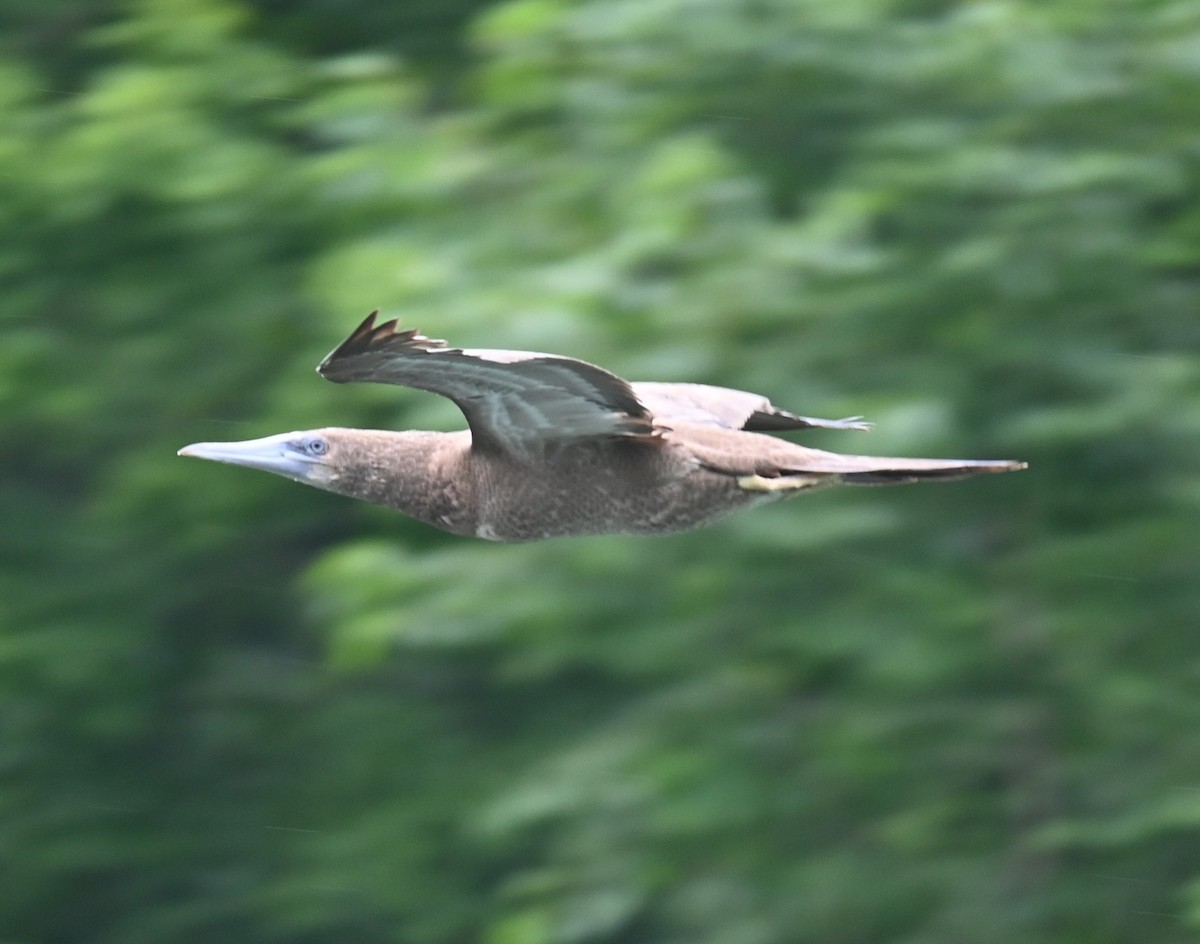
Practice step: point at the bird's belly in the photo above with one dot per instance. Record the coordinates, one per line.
(605, 502)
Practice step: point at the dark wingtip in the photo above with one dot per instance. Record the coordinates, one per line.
(359, 340)
(773, 420)
(369, 338)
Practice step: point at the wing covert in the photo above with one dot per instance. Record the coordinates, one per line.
(706, 405)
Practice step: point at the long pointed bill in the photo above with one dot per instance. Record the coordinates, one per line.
(282, 454)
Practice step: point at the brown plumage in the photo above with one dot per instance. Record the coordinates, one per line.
(557, 446)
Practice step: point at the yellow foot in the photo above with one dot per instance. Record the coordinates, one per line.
(778, 483)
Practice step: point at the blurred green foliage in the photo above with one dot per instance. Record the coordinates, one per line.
(235, 709)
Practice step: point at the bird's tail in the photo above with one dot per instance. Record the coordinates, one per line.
(819, 468)
(877, 470)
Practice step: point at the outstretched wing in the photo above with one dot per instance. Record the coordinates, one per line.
(515, 401)
(706, 405)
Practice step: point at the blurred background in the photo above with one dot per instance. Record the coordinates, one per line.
(236, 709)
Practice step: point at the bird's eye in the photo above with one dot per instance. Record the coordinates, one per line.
(316, 446)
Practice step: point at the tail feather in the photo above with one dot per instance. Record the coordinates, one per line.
(765, 463)
(883, 471)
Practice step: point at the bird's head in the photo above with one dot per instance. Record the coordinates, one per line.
(386, 467)
(309, 456)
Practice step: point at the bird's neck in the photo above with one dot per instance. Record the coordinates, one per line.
(415, 471)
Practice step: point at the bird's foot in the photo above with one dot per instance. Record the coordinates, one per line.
(776, 483)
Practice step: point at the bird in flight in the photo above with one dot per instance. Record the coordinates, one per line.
(557, 446)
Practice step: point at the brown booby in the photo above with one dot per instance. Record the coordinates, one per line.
(558, 446)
